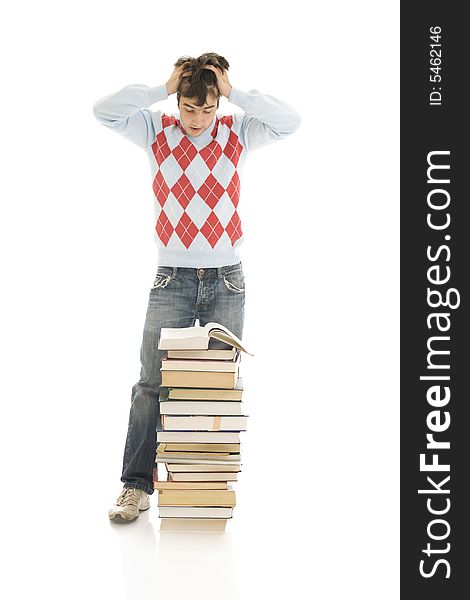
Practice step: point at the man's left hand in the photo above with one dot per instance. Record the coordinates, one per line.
(222, 80)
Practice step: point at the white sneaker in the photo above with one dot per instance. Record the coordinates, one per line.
(128, 505)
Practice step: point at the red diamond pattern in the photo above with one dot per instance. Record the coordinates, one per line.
(164, 228)
(212, 229)
(167, 120)
(160, 188)
(184, 153)
(234, 228)
(233, 149)
(183, 191)
(186, 230)
(227, 120)
(211, 154)
(211, 191)
(160, 148)
(233, 189)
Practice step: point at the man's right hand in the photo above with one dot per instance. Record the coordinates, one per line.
(174, 81)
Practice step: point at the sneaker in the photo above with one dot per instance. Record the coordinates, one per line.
(128, 505)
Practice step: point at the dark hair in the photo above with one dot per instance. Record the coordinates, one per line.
(202, 81)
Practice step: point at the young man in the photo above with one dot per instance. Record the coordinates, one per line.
(196, 159)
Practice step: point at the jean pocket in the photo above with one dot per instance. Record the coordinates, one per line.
(235, 281)
(162, 278)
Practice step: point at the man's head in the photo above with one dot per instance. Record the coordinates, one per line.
(198, 95)
(196, 119)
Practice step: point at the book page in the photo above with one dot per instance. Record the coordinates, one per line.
(219, 332)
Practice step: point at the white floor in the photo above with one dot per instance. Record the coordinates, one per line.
(314, 516)
(317, 498)
(77, 552)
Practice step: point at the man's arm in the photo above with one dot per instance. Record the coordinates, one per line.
(126, 112)
(266, 118)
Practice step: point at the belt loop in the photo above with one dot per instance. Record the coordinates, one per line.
(175, 272)
(220, 272)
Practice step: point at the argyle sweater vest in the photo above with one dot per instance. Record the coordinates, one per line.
(196, 179)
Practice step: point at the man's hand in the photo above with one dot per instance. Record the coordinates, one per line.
(174, 81)
(183, 71)
(222, 80)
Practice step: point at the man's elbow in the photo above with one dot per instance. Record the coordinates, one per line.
(104, 117)
(291, 124)
(98, 111)
(295, 122)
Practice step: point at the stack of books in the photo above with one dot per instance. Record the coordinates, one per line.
(202, 416)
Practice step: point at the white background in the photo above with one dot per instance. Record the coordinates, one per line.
(317, 512)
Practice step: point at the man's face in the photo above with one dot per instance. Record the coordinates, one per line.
(196, 119)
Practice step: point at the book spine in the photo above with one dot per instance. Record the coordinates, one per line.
(155, 473)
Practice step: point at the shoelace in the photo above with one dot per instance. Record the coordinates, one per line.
(128, 496)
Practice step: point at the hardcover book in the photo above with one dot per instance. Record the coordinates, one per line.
(178, 524)
(196, 511)
(194, 407)
(199, 379)
(181, 364)
(174, 393)
(204, 423)
(205, 437)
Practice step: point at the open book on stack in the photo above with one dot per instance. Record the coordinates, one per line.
(202, 416)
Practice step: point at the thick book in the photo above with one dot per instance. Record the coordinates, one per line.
(195, 407)
(167, 456)
(195, 457)
(209, 448)
(195, 511)
(211, 354)
(174, 393)
(195, 461)
(199, 379)
(197, 338)
(204, 423)
(204, 437)
(199, 468)
(178, 524)
(196, 498)
(225, 476)
(181, 364)
(190, 485)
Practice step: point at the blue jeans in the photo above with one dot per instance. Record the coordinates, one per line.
(178, 297)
